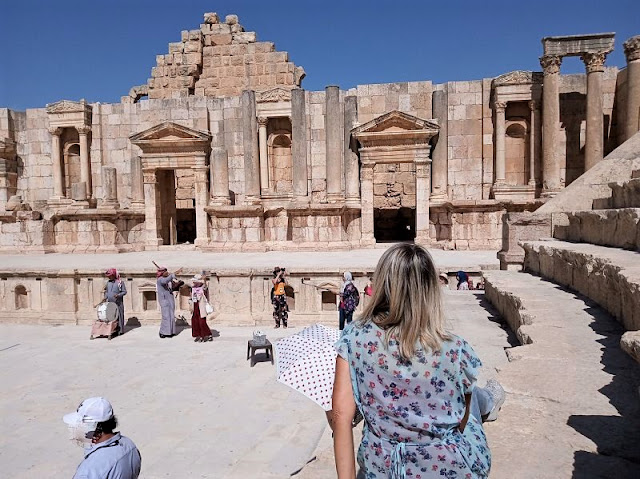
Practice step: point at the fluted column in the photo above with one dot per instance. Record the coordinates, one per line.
(56, 166)
(299, 144)
(351, 167)
(500, 143)
(201, 193)
(264, 161)
(594, 145)
(250, 146)
(219, 166)
(85, 165)
(152, 213)
(632, 52)
(333, 139)
(366, 215)
(439, 173)
(533, 140)
(550, 122)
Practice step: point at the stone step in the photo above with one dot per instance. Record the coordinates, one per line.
(625, 194)
(608, 276)
(563, 377)
(619, 228)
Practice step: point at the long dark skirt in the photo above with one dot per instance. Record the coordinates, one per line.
(199, 327)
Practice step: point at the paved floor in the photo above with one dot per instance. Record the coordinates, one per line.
(357, 259)
(194, 410)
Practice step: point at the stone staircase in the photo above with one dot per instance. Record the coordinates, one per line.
(569, 308)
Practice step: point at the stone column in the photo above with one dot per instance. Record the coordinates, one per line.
(56, 166)
(137, 183)
(201, 187)
(264, 160)
(109, 187)
(439, 178)
(333, 142)
(550, 122)
(250, 145)
(219, 166)
(423, 178)
(366, 215)
(500, 143)
(299, 144)
(632, 52)
(533, 147)
(152, 214)
(351, 167)
(594, 145)
(85, 165)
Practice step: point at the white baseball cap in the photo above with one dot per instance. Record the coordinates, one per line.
(95, 409)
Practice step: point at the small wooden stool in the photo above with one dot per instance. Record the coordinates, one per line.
(252, 347)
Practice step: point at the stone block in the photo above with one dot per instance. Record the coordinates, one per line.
(245, 37)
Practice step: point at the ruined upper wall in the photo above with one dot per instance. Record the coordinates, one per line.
(220, 59)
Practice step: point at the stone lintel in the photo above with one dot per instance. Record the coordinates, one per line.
(577, 45)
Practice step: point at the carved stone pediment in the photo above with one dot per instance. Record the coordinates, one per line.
(273, 95)
(396, 121)
(169, 131)
(68, 106)
(518, 77)
(169, 145)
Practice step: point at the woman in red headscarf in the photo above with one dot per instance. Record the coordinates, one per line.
(114, 291)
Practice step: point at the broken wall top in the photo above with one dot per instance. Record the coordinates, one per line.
(221, 59)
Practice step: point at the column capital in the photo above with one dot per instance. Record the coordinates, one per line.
(550, 64)
(83, 129)
(499, 105)
(594, 62)
(149, 175)
(534, 105)
(55, 131)
(632, 48)
(262, 121)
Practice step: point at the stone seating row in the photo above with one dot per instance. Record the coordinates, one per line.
(624, 194)
(608, 276)
(619, 228)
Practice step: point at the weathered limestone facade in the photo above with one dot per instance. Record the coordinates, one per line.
(223, 149)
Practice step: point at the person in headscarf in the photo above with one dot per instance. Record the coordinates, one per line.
(164, 287)
(349, 299)
(114, 291)
(463, 280)
(199, 329)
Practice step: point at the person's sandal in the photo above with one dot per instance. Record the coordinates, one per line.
(496, 391)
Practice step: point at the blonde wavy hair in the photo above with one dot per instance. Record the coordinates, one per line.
(406, 300)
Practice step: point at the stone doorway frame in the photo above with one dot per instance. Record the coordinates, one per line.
(395, 137)
(169, 146)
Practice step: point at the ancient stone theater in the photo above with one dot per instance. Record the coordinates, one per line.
(222, 148)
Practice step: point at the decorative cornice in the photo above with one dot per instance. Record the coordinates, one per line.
(273, 95)
(550, 64)
(68, 106)
(632, 48)
(518, 77)
(594, 62)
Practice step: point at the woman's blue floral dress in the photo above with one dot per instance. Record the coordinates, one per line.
(412, 409)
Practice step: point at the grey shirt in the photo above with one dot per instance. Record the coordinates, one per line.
(115, 458)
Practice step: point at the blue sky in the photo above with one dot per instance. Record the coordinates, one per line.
(99, 49)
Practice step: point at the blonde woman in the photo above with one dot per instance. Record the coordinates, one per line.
(411, 380)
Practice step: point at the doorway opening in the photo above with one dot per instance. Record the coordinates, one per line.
(186, 225)
(394, 224)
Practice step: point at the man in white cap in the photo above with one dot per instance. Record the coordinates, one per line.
(107, 453)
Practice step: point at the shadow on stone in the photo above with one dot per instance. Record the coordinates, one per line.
(495, 317)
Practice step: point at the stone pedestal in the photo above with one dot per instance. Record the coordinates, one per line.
(351, 167)
(109, 187)
(299, 145)
(632, 52)
(219, 168)
(551, 181)
(439, 168)
(593, 150)
(79, 195)
(333, 139)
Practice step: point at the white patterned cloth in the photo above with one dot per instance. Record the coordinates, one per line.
(306, 362)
